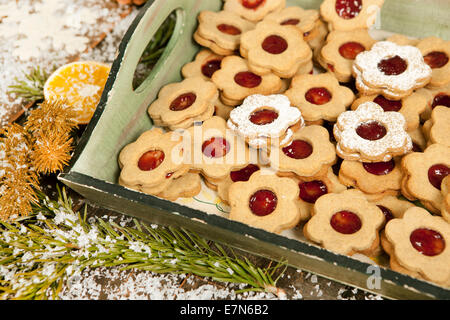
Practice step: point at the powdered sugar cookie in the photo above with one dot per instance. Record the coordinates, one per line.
(436, 53)
(254, 10)
(369, 134)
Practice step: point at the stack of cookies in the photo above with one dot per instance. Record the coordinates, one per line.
(331, 151)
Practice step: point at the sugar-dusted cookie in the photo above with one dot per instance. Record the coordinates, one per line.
(420, 244)
(369, 134)
(265, 120)
(350, 14)
(341, 49)
(221, 31)
(309, 155)
(372, 177)
(445, 190)
(392, 70)
(319, 96)
(180, 104)
(436, 53)
(186, 186)
(437, 128)
(275, 48)
(423, 175)
(236, 82)
(345, 223)
(254, 10)
(265, 201)
(204, 65)
(435, 97)
(410, 107)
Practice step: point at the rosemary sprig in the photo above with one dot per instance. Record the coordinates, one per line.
(31, 88)
(40, 252)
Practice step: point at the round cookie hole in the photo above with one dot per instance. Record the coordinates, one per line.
(436, 59)
(393, 66)
(318, 96)
(298, 149)
(215, 147)
(379, 168)
(263, 116)
(263, 202)
(346, 222)
(437, 173)
(388, 105)
(371, 130)
(229, 29)
(210, 67)
(247, 79)
(351, 49)
(243, 174)
(348, 9)
(274, 44)
(312, 190)
(183, 101)
(252, 4)
(151, 160)
(428, 242)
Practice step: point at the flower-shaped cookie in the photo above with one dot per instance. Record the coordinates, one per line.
(435, 97)
(254, 10)
(348, 15)
(221, 31)
(275, 48)
(392, 70)
(265, 201)
(180, 104)
(445, 190)
(186, 186)
(392, 207)
(310, 153)
(370, 134)
(420, 243)
(341, 49)
(319, 97)
(437, 128)
(151, 161)
(305, 20)
(373, 177)
(402, 40)
(424, 173)
(236, 81)
(243, 174)
(205, 64)
(213, 149)
(436, 53)
(263, 120)
(316, 38)
(345, 223)
(410, 107)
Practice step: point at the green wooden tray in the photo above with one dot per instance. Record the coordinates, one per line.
(121, 116)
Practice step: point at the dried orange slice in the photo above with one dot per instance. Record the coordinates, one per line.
(80, 84)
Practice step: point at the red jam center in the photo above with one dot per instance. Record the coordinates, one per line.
(183, 101)
(298, 149)
(151, 160)
(318, 96)
(252, 4)
(210, 67)
(228, 29)
(379, 168)
(387, 213)
(416, 148)
(263, 202)
(441, 99)
(350, 50)
(371, 130)
(428, 242)
(345, 222)
(291, 22)
(312, 190)
(436, 59)
(348, 9)
(247, 79)
(388, 105)
(437, 173)
(393, 66)
(243, 174)
(263, 117)
(215, 147)
(274, 44)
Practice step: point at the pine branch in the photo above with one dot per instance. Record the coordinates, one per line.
(31, 88)
(38, 253)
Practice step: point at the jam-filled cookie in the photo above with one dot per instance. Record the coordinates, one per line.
(391, 70)
(445, 190)
(180, 104)
(348, 15)
(221, 31)
(204, 65)
(435, 97)
(423, 175)
(236, 82)
(341, 49)
(265, 120)
(185, 186)
(243, 175)
(419, 243)
(345, 223)
(274, 48)
(403, 40)
(436, 53)
(265, 201)
(437, 128)
(392, 207)
(369, 134)
(254, 10)
(319, 96)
